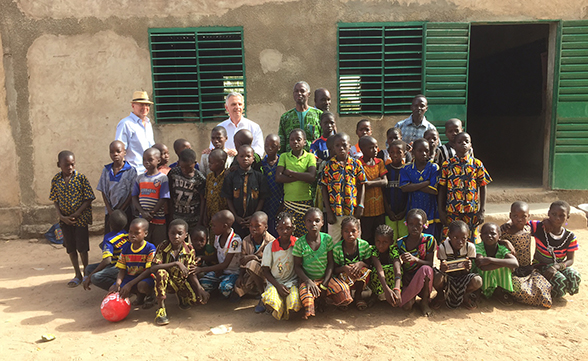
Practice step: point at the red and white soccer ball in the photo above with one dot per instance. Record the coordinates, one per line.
(114, 308)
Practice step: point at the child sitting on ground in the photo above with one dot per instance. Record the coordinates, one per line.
(352, 256)
(218, 138)
(281, 294)
(319, 146)
(269, 168)
(179, 146)
(374, 213)
(116, 183)
(72, 196)
(386, 271)
(395, 200)
(136, 257)
(251, 278)
(204, 251)
(297, 171)
(163, 167)
(494, 263)
(150, 192)
(104, 274)
(213, 202)
(362, 129)
(416, 252)
(432, 136)
(313, 263)
(456, 285)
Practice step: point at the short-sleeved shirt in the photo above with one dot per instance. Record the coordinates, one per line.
(446, 253)
(392, 253)
(341, 180)
(374, 196)
(214, 202)
(112, 245)
(150, 189)
(233, 244)
(136, 138)
(314, 263)
(397, 199)
(419, 199)
(546, 243)
(69, 196)
(425, 246)
(117, 187)
(245, 189)
(319, 148)
(309, 121)
(136, 261)
(299, 190)
(364, 251)
(164, 254)
(501, 253)
(446, 152)
(412, 132)
(204, 167)
(280, 262)
(185, 194)
(276, 190)
(463, 177)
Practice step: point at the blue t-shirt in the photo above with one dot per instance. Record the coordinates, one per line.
(319, 148)
(419, 199)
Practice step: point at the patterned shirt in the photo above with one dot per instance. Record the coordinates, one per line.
(276, 190)
(116, 187)
(214, 202)
(185, 194)
(314, 263)
(165, 254)
(463, 177)
(291, 120)
(546, 243)
(363, 253)
(392, 253)
(245, 189)
(69, 196)
(150, 189)
(319, 148)
(374, 196)
(410, 131)
(135, 262)
(419, 199)
(341, 181)
(112, 245)
(425, 246)
(297, 191)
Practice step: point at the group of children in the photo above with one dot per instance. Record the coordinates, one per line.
(311, 227)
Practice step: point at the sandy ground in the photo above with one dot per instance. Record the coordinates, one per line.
(34, 300)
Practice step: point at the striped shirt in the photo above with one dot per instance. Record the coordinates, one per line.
(364, 251)
(314, 263)
(548, 242)
(136, 261)
(112, 245)
(150, 189)
(425, 246)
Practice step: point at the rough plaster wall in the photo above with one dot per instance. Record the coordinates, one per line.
(80, 87)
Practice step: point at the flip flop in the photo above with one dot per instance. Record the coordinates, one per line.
(75, 282)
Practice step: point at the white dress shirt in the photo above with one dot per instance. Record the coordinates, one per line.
(254, 128)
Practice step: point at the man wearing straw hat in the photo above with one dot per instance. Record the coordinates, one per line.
(135, 131)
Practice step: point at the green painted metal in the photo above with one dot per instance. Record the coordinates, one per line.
(569, 146)
(192, 71)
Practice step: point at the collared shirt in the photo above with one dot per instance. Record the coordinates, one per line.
(70, 196)
(112, 245)
(319, 148)
(311, 126)
(297, 191)
(463, 177)
(250, 248)
(410, 131)
(244, 123)
(136, 138)
(164, 254)
(136, 261)
(364, 252)
(280, 262)
(419, 199)
(117, 187)
(245, 189)
(341, 182)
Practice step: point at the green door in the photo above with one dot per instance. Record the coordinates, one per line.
(569, 143)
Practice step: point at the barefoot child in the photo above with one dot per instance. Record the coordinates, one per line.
(416, 252)
(72, 196)
(362, 129)
(269, 168)
(395, 200)
(352, 256)
(218, 138)
(281, 294)
(163, 167)
(374, 213)
(313, 263)
(386, 271)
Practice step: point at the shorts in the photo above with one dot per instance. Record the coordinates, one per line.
(75, 238)
(128, 278)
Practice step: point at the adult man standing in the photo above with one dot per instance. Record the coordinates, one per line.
(135, 131)
(322, 99)
(302, 116)
(415, 126)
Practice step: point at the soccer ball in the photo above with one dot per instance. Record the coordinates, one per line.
(114, 308)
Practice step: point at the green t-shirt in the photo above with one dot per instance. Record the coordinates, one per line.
(364, 252)
(297, 191)
(314, 263)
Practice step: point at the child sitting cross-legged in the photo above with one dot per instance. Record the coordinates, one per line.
(386, 271)
(313, 262)
(205, 252)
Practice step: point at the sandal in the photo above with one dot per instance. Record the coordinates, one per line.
(361, 305)
(505, 299)
(75, 282)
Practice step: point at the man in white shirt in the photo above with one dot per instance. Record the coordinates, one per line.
(135, 131)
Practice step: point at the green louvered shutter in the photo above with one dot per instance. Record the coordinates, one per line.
(446, 72)
(570, 140)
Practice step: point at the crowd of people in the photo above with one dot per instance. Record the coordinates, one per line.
(306, 218)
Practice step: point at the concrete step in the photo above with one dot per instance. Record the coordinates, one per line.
(502, 193)
(498, 213)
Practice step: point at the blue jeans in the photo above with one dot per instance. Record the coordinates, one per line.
(104, 278)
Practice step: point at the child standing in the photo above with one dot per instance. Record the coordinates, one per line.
(218, 138)
(163, 167)
(342, 186)
(72, 197)
(395, 200)
(419, 180)
(150, 192)
(394, 134)
(187, 187)
(214, 203)
(269, 168)
(362, 129)
(179, 146)
(432, 136)
(245, 137)
(462, 187)
(447, 151)
(386, 271)
(374, 213)
(116, 183)
(313, 263)
(319, 146)
(297, 170)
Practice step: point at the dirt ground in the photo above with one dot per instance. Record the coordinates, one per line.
(34, 300)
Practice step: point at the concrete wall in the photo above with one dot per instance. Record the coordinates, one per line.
(70, 68)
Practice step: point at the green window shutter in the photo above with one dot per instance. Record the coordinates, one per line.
(193, 69)
(570, 136)
(446, 72)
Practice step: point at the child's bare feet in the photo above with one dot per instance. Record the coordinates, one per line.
(427, 311)
(408, 306)
(436, 303)
(469, 302)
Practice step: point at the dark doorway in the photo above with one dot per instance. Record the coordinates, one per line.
(506, 100)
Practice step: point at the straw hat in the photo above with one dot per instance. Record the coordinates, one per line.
(140, 96)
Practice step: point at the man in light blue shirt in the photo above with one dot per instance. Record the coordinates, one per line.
(415, 126)
(135, 131)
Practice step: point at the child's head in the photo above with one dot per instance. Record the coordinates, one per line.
(138, 230)
(117, 220)
(151, 158)
(330, 145)
(297, 140)
(397, 150)
(393, 134)
(164, 153)
(369, 147)
(519, 215)
(217, 160)
(272, 145)
(181, 144)
(243, 137)
(490, 234)
(463, 144)
(419, 106)
(222, 222)
(559, 212)
(452, 128)
(117, 151)
(198, 237)
(327, 123)
(350, 229)
(285, 225)
(67, 162)
(432, 136)
(177, 232)
(322, 99)
(258, 224)
(245, 157)
(416, 219)
(363, 128)
(384, 236)
(313, 220)
(341, 145)
(187, 162)
(218, 137)
(458, 233)
(420, 151)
